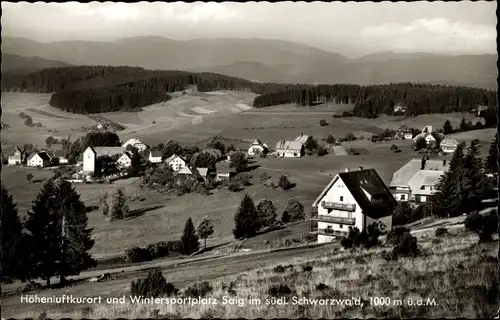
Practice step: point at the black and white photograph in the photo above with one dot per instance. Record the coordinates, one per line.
(255, 160)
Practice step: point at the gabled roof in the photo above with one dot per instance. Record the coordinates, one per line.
(17, 149)
(361, 181)
(155, 154)
(185, 170)
(403, 176)
(302, 138)
(223, 168)
(289, 145)
(258, 142)
(60, 154)
(132, 142)
(107, 151)
(423, 135)
(172, 157)
(43, 155)
(424, 178)
(202, 171)
(126, 154)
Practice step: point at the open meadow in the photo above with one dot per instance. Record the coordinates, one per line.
(452, 276)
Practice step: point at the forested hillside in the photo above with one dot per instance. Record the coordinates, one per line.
(94, 89)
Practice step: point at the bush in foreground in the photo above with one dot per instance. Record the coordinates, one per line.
(154, 285)
(198, 290)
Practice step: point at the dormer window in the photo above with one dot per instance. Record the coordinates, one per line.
(341, 198)
(422, 188)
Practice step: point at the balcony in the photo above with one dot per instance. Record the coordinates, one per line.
(333, 219)
(338, 206)
(328, 232)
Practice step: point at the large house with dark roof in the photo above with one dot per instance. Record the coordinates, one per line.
(39, 159)
(355, 198)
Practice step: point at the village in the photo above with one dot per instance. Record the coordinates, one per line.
(356, 197)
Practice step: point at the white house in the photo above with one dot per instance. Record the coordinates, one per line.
(39, 159)
(61, 155)
(352, 199)
(223, 171)
(289, 149)
(415, 180)
(176, 162)
(91, 154)
(448, 145)
(155, 156)
(257, 147)
(124, 161)
(17, 157)
(135, 143)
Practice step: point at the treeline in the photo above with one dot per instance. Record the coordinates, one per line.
(91, 89)
(54, 240)
(370, 101)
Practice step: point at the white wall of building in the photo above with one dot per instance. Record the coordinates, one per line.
(88, 160)
(177, 164)
(339, 193)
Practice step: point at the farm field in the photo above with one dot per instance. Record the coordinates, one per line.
(37, 106)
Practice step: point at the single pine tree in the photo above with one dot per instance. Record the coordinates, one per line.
(11, 248)
(189, 238)
(447, 127)
(119, 206)
(473, 182)
(76, 237)
(43, 242)
(246, 219)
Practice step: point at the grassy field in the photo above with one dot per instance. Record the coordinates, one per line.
(453, 277)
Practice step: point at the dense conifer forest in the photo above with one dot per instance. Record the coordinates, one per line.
(94, 89)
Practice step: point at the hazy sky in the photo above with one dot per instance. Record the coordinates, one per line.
(443, 27)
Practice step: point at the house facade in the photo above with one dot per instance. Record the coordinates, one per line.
(124, 161)
(39, 159)
(17, 157)
(352, 199)
(176, 162)
(155, 156)
(257, 147)
(91, 154)
(223, 171)
(61, 156)
(448, 145)
(416, 180)
(289, 149)
(135, 143)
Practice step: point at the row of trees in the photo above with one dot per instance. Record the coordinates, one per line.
(370, 101)
(53, 241)
(250, 219)
(464, 186)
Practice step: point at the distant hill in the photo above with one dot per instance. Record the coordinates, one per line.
(253, 71)
(24, 65)
(265, 60)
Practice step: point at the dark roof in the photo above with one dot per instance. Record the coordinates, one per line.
(370, 181)
(44, 156)
(60, 153)
(156, 154)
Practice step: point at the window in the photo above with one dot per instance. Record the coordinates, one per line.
(341, 198)
(403, 197)
(329, 210)
(340, 226)
(422, 188)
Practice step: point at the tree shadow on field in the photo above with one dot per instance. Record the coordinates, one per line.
(210, 248)
(251, 168)
(139, 212)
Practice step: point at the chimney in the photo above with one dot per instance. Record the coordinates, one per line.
(346, 169)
